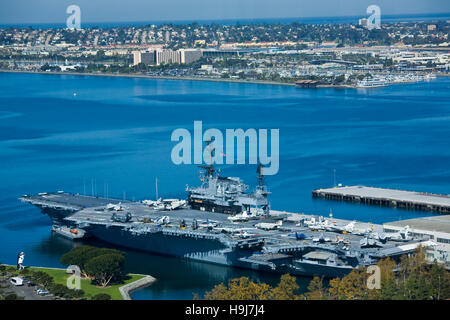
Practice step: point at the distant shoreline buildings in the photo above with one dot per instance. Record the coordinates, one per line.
(325, 55)
(158, 56)
(363, 22)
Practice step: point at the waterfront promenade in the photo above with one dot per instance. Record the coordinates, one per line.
(128, 288)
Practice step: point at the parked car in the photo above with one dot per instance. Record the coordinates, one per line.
(42, 292)
(29, 283)
(17, 281)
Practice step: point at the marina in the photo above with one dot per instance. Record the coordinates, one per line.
(387, 197)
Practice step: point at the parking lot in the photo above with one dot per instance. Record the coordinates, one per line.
(25, 291)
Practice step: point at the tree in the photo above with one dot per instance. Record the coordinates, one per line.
(412, 279)
(61, 290)
(350, 287)
(388, 282)
(106, 268)
(12, 296)
(102, 296)
(80, 256)
(316, 291)
(286, 289)
(339, 79)
(42, 278)
(244, 289)
(100, 55)
(47, 67)
(334, 288)
(439, 280)
(219, 292)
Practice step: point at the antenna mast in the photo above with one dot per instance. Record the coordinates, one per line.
(334, 177)
(259, 171)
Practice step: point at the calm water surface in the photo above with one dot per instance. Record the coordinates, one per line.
(116, 132)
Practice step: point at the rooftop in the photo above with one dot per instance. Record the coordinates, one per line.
(318, 255)
(439, 223)
(390, 194)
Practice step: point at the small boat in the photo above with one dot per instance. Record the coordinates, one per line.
(71, 233)
(371, 83)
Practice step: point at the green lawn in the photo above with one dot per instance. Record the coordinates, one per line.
(60, 276)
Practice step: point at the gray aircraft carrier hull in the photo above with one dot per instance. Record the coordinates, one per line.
(211, 241)
(310, 269)
(160, 243)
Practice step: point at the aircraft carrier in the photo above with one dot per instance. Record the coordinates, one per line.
(221, 222)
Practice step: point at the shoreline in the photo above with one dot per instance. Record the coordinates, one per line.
(126, 289)
(143, 76)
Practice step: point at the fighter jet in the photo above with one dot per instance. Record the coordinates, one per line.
(321, 239)
(342, 229)
(298, 236)
(232, 230)
(167, 204)
(173, 204)
(369, 243)
(322, 224)
(379, 236)
(115, 207)
(163, 220)
(152, 203)
(269, 226)
(402, 235)
(362, 232)
(208, 224)
(241, 217)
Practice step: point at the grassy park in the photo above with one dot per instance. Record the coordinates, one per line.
(60, 277)
(102, 274)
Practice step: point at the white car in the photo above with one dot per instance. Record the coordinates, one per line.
(42, 292)
(17, 281)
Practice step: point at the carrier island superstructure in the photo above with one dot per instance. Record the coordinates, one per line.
(221, 222)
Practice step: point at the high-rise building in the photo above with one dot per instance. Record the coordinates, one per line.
(136, 57)
(166, 56)
(190, 55)
(147, 57)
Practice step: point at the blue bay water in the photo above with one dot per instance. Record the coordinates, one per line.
(116, 132)
(386, 18)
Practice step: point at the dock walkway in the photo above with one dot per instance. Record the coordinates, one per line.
(387, 197)
(143, 282)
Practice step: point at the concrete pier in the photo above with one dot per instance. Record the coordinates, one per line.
(143, 282)
(387, 197)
